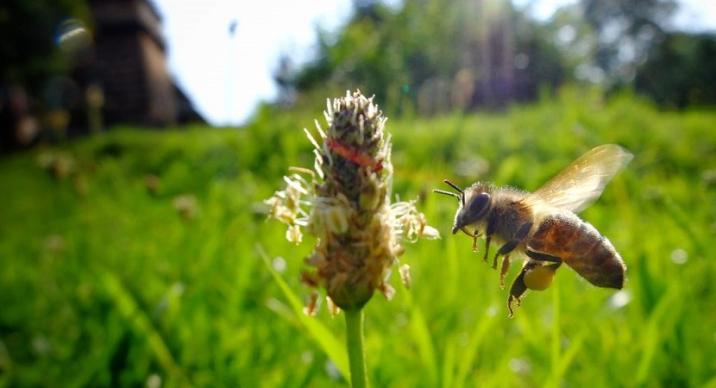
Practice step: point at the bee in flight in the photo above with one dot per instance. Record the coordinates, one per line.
(543, 225)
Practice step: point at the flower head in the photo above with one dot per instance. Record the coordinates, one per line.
(345, 203)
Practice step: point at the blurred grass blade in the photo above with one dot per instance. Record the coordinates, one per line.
(566, 360)
(448, 365)
(423, 339)
(476, 339)
(5, 362)
(684, 221)
(711, 383)
(324, 338)
(556, 335)
(130, 310)
(660, 323)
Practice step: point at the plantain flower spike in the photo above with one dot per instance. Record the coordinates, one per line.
(345, 203)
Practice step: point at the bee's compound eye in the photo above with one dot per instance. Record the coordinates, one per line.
(479, 203)
(539, 278)
(476, 209)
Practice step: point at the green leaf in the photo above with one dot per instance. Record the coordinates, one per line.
(330, 345)
(130, 310)
(660, 323)
(423, 339)
(476, 339)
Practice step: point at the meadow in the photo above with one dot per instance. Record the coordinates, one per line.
(144, 257)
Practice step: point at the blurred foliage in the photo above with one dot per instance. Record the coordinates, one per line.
(437, 56)
(680, 71)
(131, 258)
(624, 32)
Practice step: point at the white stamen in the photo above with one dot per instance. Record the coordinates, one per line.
(320, 130)
(294, 185)
(361, 129)
(329, 109)
(311, 139)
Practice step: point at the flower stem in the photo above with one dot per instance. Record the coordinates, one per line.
(354, 340)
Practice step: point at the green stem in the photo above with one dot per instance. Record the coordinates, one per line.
(354, 340)
(556, 337)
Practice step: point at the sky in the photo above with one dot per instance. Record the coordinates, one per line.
(227, 75)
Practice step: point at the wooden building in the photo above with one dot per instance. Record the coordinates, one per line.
(130, 66)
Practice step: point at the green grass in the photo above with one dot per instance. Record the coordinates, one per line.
(103, 281)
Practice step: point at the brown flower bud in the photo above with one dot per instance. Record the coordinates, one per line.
(358, 231)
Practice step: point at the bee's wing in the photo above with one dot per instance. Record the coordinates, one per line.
(583, 181)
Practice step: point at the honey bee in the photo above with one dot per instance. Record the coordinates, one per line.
(543, 225)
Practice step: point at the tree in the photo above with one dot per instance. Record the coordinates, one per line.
(680, 71)
(625, 31)
(436, 55)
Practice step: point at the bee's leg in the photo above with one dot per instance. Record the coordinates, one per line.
(512, 244)
(542, 256)
(505, 249)
(518, 288)
(474, 236)
(503, 270)
(489, 231)
(488, 237)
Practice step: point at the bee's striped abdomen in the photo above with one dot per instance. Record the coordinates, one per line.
(581, 246)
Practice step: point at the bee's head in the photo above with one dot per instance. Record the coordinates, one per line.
(473, 205)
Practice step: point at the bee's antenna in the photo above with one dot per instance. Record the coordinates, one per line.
(446, 193)
(460, 195)
(459, 190)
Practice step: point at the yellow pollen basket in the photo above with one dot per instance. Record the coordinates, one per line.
(539, 278)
